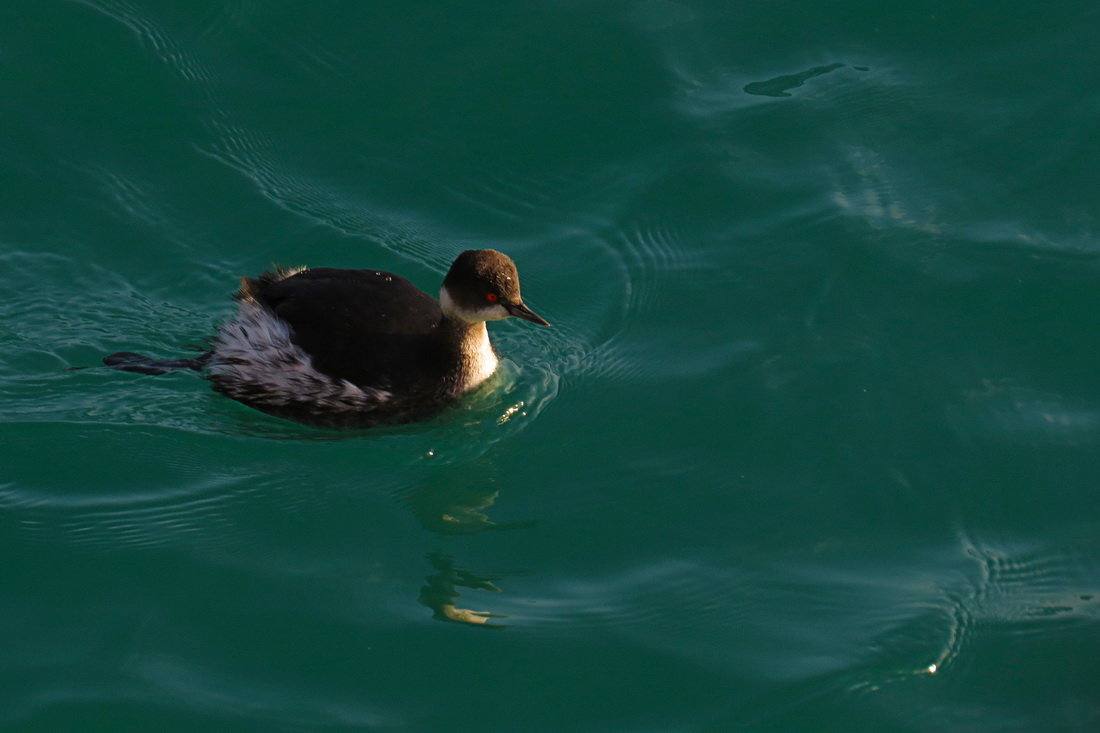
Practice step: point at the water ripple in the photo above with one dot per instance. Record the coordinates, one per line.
(195, 513)
(1005, 412)
(151, 35)
(213, 690)
(1023, 588)
(322, 202)
(1015, 591)
(641, 599)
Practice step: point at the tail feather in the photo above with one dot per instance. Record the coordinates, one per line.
(252, 286)
(128, 361)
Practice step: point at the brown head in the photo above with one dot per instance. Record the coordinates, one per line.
(483, 285)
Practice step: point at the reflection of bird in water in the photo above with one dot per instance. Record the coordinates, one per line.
(456, 508)
(454, 503)
(442, 589)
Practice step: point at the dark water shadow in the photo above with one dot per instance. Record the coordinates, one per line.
(778, 86)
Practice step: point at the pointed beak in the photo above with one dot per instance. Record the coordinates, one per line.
(519, 310)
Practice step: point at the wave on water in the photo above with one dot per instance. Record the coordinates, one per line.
(151, 35)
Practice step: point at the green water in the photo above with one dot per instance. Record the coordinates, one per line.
(812, 445)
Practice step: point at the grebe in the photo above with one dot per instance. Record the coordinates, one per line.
(356, 347)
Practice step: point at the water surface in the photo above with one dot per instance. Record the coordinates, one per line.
(811, 445)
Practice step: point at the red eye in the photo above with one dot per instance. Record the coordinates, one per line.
(492, 297)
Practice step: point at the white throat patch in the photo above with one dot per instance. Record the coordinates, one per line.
(479, 356)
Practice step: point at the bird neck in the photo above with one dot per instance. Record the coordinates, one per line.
(474, 351)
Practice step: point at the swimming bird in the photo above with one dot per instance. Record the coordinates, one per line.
(347, 347)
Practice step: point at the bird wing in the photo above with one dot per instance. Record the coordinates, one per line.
(370, 327)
